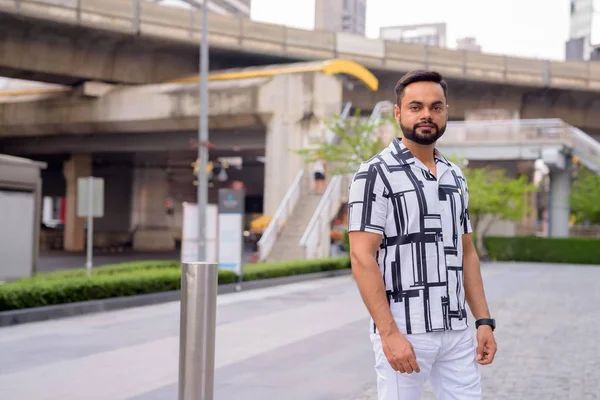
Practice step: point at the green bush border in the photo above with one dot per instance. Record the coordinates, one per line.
(575, 250)
(130, 279)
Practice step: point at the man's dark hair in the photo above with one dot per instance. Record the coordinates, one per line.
(419, 75)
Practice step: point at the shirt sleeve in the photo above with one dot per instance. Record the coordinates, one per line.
(367, 201)
(467, 220)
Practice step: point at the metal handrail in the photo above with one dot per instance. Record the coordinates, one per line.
(316, 231)
(328, 206)
(378, 109)
(542, 132)
(285, 209)
(508, 131)
(586, 149)
(331, 137)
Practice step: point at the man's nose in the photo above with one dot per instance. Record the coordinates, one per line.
(425, 114)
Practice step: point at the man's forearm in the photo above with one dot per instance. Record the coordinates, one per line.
(371, 287)
(473, 282)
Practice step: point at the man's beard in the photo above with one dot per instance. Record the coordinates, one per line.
(426, 136)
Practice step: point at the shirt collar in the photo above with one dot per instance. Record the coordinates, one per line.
(404, 156)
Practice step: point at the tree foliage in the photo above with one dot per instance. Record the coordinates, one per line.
(492, 193)
(356, 140)
(585, 196)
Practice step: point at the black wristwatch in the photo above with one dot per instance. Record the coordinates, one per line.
(486, 321)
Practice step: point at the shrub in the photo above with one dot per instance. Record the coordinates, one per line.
(277, 270)
(104, 270)
(574, 250)
(132, 279)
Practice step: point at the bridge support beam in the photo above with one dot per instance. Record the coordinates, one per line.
(79, 165)
(149, 220)
(560, 186)
(294, 103)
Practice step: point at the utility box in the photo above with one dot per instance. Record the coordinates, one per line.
(20, 216)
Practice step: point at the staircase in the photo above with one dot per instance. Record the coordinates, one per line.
(287, 246)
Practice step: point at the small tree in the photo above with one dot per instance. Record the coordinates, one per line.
(492, 193)
(357, 141)
(585, 196)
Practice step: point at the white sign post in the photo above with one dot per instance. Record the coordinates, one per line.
(90, 204)
(231, 228)
(190, 236)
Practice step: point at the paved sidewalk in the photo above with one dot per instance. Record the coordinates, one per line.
(548, 335)
(309, 341)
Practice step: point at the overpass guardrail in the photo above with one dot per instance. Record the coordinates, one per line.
(532, 132)
(142, 17)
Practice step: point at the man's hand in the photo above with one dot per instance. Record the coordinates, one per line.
(400, 353)
(486, 345)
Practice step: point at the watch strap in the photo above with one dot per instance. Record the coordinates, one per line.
(486, 321)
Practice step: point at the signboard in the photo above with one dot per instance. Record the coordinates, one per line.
(189, 236)
(90, 187)
(231, 229)
(90, 204)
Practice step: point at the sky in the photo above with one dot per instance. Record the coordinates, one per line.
(525, 28)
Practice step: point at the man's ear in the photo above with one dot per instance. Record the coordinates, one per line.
(397, 113)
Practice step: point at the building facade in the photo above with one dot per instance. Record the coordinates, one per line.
(469, 44)
(584, 30)
(341, 16)
(426, 34)
(240, 8)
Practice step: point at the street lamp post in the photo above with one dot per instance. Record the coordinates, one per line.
(202, 161)
(202, 188)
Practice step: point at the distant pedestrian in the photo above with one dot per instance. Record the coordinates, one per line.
(319, 175)
(413, 256)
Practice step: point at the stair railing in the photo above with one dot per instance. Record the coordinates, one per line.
(315, 240)
(277, 223)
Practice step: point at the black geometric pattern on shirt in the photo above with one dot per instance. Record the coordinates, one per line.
(416, 240)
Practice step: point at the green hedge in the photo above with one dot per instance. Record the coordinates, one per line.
(254, 272)
(574, 250)
(111, 269)
(132, 279)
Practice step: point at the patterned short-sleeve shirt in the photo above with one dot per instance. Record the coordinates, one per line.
(421, 218)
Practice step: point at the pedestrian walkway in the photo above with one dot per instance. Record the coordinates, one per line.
(308, 341)
(547, 334)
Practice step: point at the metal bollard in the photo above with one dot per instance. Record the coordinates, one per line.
(197, 330)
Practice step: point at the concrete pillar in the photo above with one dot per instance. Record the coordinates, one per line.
(294, 103)
(149, 219)
(79, 165)
(282, 163)
(560, 210)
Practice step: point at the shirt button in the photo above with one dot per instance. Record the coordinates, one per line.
(443, 209)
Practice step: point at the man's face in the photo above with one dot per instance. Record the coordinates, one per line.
(423, 112)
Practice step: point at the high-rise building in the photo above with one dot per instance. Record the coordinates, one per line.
(223, 7)
(341, 15)
(584, 33)
(427, 34)
(469, 44)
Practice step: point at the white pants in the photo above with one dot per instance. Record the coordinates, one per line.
(446, 358)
